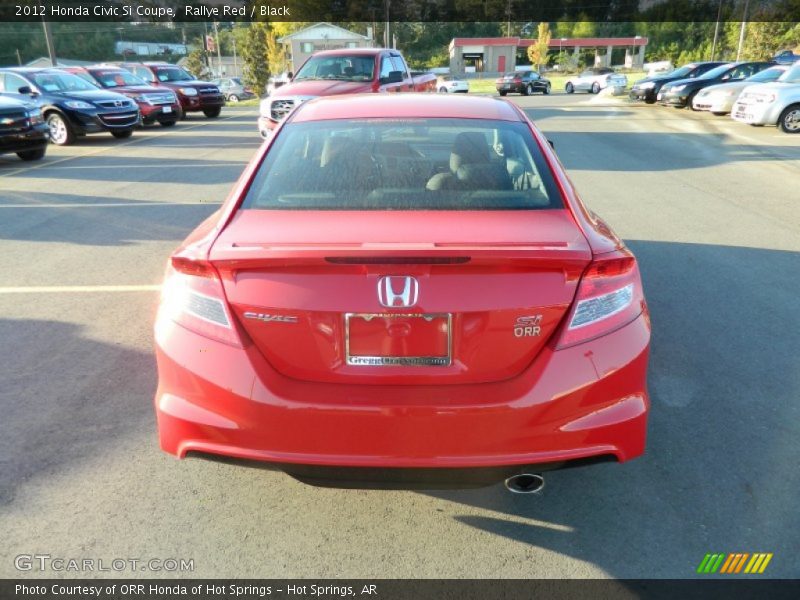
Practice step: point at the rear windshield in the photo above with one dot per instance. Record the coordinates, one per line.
(400, 164)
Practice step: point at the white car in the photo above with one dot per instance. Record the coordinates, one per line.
(719, 99)
(447, 84)
(594, 80)
(776, 103)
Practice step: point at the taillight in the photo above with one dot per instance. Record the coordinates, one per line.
(609, 296)
(192, 296)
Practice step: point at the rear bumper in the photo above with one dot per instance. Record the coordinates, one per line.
(585, 402)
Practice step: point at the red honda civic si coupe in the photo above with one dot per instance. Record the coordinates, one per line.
(404, 291)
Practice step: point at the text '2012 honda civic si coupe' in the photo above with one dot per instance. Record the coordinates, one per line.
(404, 291)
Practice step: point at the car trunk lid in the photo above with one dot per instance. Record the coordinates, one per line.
(401, 297)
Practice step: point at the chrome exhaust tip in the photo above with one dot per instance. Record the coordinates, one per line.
(525, 483)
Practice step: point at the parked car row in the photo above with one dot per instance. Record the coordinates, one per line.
(757, 92)
(69, 102)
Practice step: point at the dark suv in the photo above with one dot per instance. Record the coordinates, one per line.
(22, 128)
(194, 95)
(71, 105)
(522, 82)
(155, 104)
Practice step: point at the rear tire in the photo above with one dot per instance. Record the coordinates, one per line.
(789, 121)
(233, 98)
(212, 113)
(649, 99)
(569, 88)
(595, 88)
(690, 101)
(122, 135)
(719, 114)
(503, 93)
(61, 133)
(32, 154)
(442, 90)
(167, 123)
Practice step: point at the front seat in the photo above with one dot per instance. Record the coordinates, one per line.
(471, 167)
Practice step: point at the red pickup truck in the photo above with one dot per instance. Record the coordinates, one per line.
(346, 71)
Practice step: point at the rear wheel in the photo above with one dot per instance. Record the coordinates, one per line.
(690, 101)
(212, 113)
(789, 121)
(443, 90)
(167, 123)
(719, 114)
(595, 88)
(122, 135)
(569, 88)
(32, 154)
(61, 133)
(233, 98)
(503, 92)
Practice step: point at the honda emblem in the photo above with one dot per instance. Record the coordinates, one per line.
(398, 291)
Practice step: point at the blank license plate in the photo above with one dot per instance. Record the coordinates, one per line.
(167, 109)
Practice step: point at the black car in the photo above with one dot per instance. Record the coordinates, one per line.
(71, 105)
(22, 128)
(680, 93)
(522, 82)
(647, 89)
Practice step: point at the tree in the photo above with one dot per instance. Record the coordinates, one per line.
(537, 53)
(254, 55)
(275, 53)
(195, 62)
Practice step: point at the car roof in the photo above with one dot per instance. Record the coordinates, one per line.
(405, 106)
(355, 51)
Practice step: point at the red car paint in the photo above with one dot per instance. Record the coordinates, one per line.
(276, 386)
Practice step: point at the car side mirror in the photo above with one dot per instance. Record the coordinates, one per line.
(290, 75)
(393, 77)
(26, 90)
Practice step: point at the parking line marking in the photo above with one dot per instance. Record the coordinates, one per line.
(106, 148)
(109, 204)
(72, 289)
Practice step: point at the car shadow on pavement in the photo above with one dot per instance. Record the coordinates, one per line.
(68, 405)
(720, 472)
(141, 170)
(98, 225)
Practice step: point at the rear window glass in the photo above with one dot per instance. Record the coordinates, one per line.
(388, 164)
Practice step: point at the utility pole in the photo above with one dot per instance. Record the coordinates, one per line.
(387, 38)
(235, 62)
(219, 51)
(741, 31)
(48, 39)
(716, 32)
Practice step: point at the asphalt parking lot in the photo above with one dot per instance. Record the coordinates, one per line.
(709, 206)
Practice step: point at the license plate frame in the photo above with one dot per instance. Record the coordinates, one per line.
(377, 360)
(166, 110)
